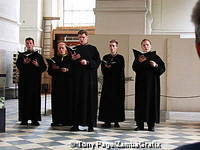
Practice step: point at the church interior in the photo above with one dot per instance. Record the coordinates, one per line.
(167, 23)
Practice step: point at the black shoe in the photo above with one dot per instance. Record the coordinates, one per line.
(139, 128)
(53, 124)
(24, 123)
(74, 128)
(106, 125)
(90, 129)
(151, 129)
(116, 125)
(35, 123)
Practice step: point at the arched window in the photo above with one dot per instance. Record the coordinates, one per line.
(79, 13)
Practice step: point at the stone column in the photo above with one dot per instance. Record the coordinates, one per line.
(149, 17)
(50, 15)
(50, 21)
(9, 39)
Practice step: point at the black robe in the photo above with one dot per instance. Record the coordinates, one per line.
(85, 86)
(61, 90)
(147, 88)
(113, 90)
(29, 86)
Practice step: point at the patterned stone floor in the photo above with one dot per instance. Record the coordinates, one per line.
(168, 135)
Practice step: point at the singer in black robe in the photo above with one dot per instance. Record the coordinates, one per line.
(29, 87)
(61, 103)
(147, 88)
(86, 60)
(113, 90)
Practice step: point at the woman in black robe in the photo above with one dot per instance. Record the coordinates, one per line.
(113, 89)
(60, 71)
(148, 67)
(30, 65)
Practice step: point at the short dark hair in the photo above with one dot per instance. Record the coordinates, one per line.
(29, 39)
(145, 40)
(80, 32)
(114, 41)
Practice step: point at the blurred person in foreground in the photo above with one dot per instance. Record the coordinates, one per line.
(196, 21)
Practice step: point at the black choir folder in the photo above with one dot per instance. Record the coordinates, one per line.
(108, 62)
(138, 53)
(30, 55)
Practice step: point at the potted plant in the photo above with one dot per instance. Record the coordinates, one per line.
(2, 102)
(2, 114)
